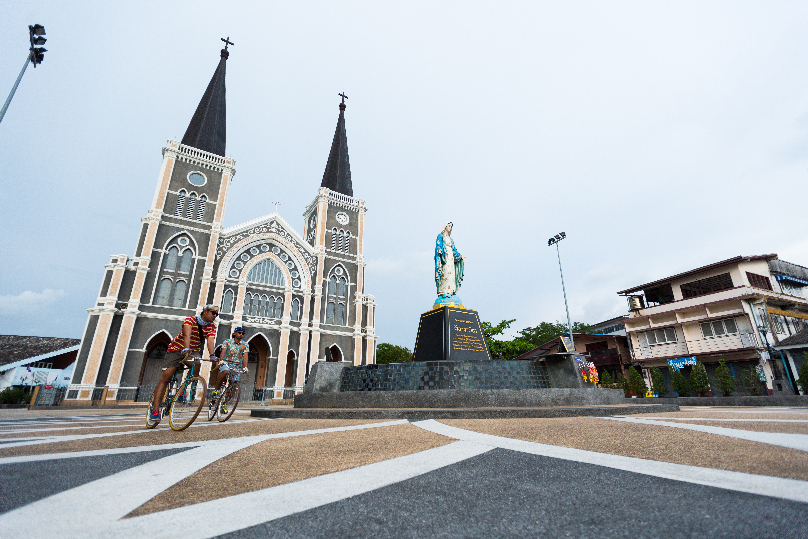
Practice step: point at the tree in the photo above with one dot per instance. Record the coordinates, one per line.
(679, 383)
(658, 382)
(724, 379)
(547, 331)
(606, 380)
(750, 380)
(802, 373)
(501, 349)
(620, 382)
(698, 379)
(390, 353)
(636, 383)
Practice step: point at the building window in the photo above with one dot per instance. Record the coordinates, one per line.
(707, 286)
(759, 281)
(263, 310)
(171, 259)
(180, 203)
(179, 294)
(792, 289)
(163, 292)
(333, 239)
(719, 328)
(191, 209)
(347, 241)
(185, 261)
(278, 307)
(227, 303)
(778, 324)
(295, 309)
(266, 272)
(329, 313)
(661, 336)
(200, 210)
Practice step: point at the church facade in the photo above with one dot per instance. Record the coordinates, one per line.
(299, 296)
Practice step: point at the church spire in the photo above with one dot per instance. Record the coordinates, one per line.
(337, 175)
(207, 130)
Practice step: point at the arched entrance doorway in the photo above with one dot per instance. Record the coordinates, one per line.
(151, 370)
(258, 359)
(291, 369)
(333, 353)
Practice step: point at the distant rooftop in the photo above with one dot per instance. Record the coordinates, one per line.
(17, 347)
(715, 265)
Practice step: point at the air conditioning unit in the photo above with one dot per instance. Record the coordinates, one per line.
(635, 303)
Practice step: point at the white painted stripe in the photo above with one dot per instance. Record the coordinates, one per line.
(72, 437)
(792, 441)
(144, 448)
(788, 489)
(261, 506)
(761, 420)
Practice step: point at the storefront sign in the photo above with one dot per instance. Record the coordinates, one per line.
(680, 362)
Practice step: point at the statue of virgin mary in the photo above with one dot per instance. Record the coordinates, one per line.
(448, 269)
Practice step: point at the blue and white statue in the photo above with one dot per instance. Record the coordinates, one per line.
(448, 269)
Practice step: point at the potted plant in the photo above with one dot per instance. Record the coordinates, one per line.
(699, 382)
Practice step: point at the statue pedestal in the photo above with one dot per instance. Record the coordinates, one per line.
(450, 334)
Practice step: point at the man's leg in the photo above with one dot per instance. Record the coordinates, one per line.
(160, 389)
(220, 379)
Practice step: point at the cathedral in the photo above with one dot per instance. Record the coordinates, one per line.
(300, 297)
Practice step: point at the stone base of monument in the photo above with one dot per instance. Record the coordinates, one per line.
(552, 387)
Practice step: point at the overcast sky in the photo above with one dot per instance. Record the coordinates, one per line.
(658, 136)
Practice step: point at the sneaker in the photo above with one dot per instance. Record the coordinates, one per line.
(215, 394)
(224, 409)
(155, 416)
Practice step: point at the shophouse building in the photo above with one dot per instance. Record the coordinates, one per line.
(738, 310)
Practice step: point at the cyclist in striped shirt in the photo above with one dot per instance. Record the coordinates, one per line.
(187, 344)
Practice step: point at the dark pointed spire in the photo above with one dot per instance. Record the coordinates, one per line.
(207, 130)
(337, 175)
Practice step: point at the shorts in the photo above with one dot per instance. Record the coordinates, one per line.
(171, 360)
(234, 367)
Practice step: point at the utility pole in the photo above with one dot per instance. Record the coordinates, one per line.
(35, 55)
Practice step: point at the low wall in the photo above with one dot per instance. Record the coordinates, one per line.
(466, 398)
(774, 400)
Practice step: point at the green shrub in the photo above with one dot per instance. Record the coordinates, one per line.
(802, 373)
(680, 383)
(698, 379)
(390, 353)
(658, 382)
(606, 380)
(750, 380)
(14, 395)
(636, 383)
(724, 379)
(620, 382)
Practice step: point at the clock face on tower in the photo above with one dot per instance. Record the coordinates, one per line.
(342, 218)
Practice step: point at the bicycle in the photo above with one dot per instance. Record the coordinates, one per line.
(227, 400)
(181, 402)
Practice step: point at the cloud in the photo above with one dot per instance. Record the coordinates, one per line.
(29, 302)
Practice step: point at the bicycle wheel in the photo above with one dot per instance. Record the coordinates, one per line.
(187, 403)
(151, 423)
(229, 401)
(213, 406)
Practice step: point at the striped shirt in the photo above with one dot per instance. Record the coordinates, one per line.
(178, 344)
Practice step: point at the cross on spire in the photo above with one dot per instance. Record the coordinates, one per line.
(277, 203)
(227, 42)
(344, 97)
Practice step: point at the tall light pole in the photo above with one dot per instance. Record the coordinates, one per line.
(554, 241)
(35, 55)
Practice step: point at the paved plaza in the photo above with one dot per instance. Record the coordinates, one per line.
(718, 472)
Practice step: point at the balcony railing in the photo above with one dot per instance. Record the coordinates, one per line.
(697, 346)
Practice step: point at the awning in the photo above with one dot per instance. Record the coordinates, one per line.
(790, 278)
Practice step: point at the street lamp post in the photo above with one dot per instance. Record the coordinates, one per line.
(35, 55)
(554, 241)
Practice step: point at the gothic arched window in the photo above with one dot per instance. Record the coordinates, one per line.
(171, 259)
(227, 303)
(179, 294)
(185, 261)
(163, 292)
(255, 305)
(200, 211)
(266, 272)
(180, 203)
(329, 312)
(295, 309)
(278, 307)
(347, 248)
(340, 240)
(334, 238)
(191, 209)
(337, 297)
